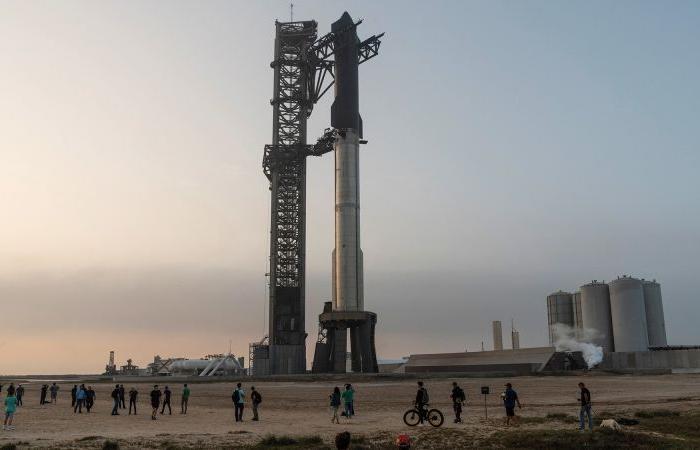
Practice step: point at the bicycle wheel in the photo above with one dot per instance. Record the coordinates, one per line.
(435, 418)
(411, 418)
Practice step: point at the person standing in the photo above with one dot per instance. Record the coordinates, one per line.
(155, 401)
(10, 408)
(255, 400)
(458, 398)
(115, 400)
(348, 397)
(510, 399)
(42, 396)
(122, 394)
(73, 393)
(166, 401)
(335, 404)
(89, 398)
(185, 399)
(422, 399)
(238, 398)
(54, 392)
(585, 400)
(133, 393)
(79, 399)
(19, 394)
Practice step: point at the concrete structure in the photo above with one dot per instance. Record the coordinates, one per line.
(656, 324)
(514, 337)
(497, 335)
(347, 310)
(507, 362)
(595, 312)
(560, 309)
(628, 314)
(680, 360)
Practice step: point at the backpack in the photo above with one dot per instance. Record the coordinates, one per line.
(257, 398)
(426, 397)
(236, 396)
(459, 395)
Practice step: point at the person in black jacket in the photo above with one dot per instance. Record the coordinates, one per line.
(89, 398)
(73, 394)
(115, 398)
(585, 399)
(255, 400)
(42, 397)
(458, 398)
(421, 400)
(166, 401)
(155, 401)
(133, 393)
(122, 394)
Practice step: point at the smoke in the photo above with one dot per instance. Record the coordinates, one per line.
(567, 339)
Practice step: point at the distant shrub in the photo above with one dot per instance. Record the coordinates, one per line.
(656, 413)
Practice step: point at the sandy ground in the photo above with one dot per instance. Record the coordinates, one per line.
(300, 408)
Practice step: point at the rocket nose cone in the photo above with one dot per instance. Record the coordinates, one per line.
(344, 21)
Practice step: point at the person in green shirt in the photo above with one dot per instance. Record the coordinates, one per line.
(348, 396)
(185, 398)
(10, 408)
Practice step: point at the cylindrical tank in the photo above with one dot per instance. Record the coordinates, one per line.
(578, 320)
(656, 325)
(560, 309)
(595, 314)
(629, 317)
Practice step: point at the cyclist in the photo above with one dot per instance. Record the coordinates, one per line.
(422, 400)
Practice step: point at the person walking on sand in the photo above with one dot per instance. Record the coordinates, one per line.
(255, 400)
(422, 399)
(238, 398)
(19, 394)
(89, 398)
(122, 396)
(42, 395)
(133, 393)
(348, 397)
(335, 405)
(585, 399)
(166, 401)
(458, 398)
(54, 392)
(155, 401)
(185, 399)
(79, 400)
(73, 393)
(10, 408)
(115, 400)
(510, 399)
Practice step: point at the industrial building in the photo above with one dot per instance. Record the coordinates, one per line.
(624, 315)
(525, 361)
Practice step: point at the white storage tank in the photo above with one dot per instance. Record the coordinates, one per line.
(595, 314)
(560, 309)
(628, 313)
(656, 325)
(578, 320)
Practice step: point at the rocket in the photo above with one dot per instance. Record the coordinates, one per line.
(348, 288)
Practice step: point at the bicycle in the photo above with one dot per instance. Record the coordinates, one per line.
(412, 417)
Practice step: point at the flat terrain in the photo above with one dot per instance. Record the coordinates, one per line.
(301, 409)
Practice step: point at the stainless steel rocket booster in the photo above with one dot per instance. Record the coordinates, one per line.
(345, 117)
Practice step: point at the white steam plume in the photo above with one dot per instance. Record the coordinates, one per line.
(567, 339)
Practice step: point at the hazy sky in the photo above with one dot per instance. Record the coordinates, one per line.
(515, 148)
